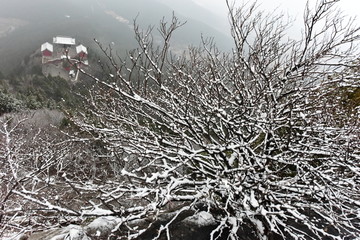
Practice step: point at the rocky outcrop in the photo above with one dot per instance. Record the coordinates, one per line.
(71, 232)
(188, 225)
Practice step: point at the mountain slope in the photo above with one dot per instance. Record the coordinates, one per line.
(106, 20)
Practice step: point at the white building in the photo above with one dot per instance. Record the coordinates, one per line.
(63, 58)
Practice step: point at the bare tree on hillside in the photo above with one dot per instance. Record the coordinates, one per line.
(30, 157)
(244, 132)
(247, 135)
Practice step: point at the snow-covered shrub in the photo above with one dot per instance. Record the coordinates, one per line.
(241, 132)
(246, 135)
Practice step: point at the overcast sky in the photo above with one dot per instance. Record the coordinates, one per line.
(293, 7)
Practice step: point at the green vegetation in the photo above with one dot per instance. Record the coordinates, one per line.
(350, 97)
(35, 91)
(8, 103)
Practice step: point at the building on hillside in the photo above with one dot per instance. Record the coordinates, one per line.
(47, 49)
(81, 51)
(65, 41)
(63, 58)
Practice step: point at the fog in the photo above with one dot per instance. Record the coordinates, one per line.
(293, 8)
(25, 25)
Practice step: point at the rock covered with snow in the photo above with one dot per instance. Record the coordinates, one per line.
(101, 226)
(76, 233)
(190, 224)
(71, 232)
(201, 219)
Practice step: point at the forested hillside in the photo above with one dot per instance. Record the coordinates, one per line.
(26, 88)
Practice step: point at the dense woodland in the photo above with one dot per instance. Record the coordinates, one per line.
(263, 139)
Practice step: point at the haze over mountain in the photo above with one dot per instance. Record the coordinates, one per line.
(190, 9)
(25, 25)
